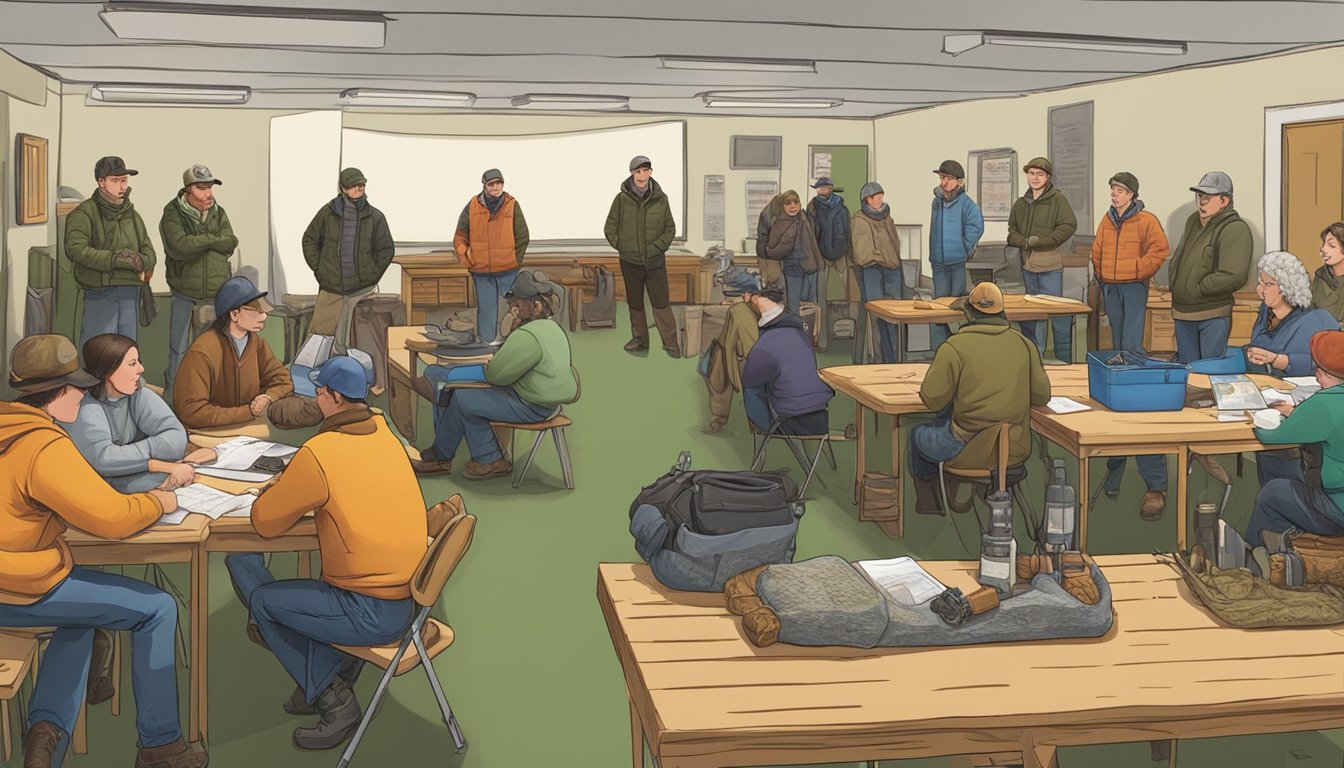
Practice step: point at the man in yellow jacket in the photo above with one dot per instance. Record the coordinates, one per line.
(1129, 248)
(490, 240)
(372, 537)
(47, 485)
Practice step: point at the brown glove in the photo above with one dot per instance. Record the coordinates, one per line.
(739, 592)
(1030, 565)
(128, 259)
(761, 627)
(1077, 578)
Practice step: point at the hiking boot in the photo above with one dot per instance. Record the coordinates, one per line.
(672, 351)
(423, 466)
(40, 745)
(478, 471)
(635, 345)
(298, 703)
(100, 687)
(927, 499)
(254, 634)
(178, 754)
(1152, 506)
(339, 716)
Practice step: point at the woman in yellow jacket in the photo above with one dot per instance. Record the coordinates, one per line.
(49, 484)
(1129, 248)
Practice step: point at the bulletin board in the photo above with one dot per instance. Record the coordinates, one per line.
(1070, 150)
(995, 181)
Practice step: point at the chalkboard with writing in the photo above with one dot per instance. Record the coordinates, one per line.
(1070, 148)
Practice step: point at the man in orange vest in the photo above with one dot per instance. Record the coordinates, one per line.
(491, 239)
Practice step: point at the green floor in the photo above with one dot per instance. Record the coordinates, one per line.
(532, 676)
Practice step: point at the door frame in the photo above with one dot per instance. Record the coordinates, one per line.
(1276, 118)
(868, 153)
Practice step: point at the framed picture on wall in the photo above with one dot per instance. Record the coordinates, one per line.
(995, 181)
(30, 166)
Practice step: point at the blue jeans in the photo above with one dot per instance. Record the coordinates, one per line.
(1201, 339)
(948, 280)
(1050, 284)
(878, 282)
(489, 290)
(301, 619)
(1272, 465)
(1283, 504)
(468, 415)
(88, 600)
(179, 338)
(112, 310)
(931, 444)
(1125, 305)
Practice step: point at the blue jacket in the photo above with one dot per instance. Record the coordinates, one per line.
(955, 229)
(1292, 337)
(783, 363)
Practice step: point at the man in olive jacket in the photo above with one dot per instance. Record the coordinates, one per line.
(1211, 263)
(107, 242)
(1041, 224)
(985, 374)
(198, 241)
(349, 247)
(640, 227)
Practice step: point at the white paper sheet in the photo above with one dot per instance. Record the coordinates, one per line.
(1066, 405)
(1232, 416)
(240, 475)
(174, 518)
(211, 502)
(903, 579)
(1267, 418)
(1272, 395)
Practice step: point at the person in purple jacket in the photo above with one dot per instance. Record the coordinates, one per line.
(781, 371)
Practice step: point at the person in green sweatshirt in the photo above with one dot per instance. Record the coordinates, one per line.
(531, 376)
(107, 243)
(1211, 263)
(198, 241)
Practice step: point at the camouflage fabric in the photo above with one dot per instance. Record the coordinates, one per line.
(1243, 600)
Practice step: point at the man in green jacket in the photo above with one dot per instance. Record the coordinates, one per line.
(640, 227)
(349, 247)
(983, 375)
(1212, 263)
(530, 377)
(113, 258)
(197, 243)
(1041, 224)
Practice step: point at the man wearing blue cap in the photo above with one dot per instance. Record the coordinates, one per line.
(230, 375)
(831, 219)
(372, 537)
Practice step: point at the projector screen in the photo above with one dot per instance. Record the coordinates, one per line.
(564, 182)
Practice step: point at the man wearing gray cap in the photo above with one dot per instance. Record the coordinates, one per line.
(876, 253)
(640, 227)
(107, 242)
(1211, 263)
(197, 243)
(349, 247)
(491, 239)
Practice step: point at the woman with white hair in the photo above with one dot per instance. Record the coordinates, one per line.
(1281, 337)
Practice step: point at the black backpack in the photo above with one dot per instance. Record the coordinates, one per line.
(832, 224)
(715, 502)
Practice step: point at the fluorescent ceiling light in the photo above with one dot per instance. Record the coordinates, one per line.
(737, 65)
(168, 94)
(959, 44)
(569, 101)
(740, 102)
(223, 25)
(368, 97)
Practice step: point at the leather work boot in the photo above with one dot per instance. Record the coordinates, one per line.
(254, 634)
(478, 471)
(101, 687)
(927, 499)
(666, 320)
(178, 754)
(1152, 506)
(338, 718)
(639, 332)
(40, 745)
(432, 466)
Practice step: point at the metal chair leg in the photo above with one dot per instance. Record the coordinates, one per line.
(758, 460)
(830, 455)
(532, 454)
(448, 718)
(378, 694)
(562, 450)
(812, 469)
(942, 490)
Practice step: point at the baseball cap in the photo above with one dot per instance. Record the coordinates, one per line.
(824, 181)
(111, 166)
(237, 291)
(491, 175)
(987, 298)
(198, 174)
(352, 176)
(639, 161)
(951, 168)
(343, 374)
(1214, 183)
(46, 361)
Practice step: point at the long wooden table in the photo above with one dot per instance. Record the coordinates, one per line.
(894, 390)
(1017, 308)
(703, 697)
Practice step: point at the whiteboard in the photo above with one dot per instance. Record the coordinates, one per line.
(305, 163)
(564, 182)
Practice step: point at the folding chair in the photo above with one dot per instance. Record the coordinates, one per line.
(555, 425)
(446, 549)
(795, 445)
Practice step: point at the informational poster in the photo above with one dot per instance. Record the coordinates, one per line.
(716, 210)
(821, 164)
(759, 193)
(1070, 147)
(995, 177)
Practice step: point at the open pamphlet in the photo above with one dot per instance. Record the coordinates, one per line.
(1236, 392)
(903, 579)
(211, 502)
(1060, 404)
(248, 459)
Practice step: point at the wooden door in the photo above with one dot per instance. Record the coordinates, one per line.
(1313, 186)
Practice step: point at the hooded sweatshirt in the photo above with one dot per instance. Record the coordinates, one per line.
(119, 436)
(783, 363)
(48, 484)
(956, 227)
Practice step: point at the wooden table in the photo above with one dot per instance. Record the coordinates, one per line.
(438, 279)
(902, 312)
(406, 385)
(894, 390)
(704, 697)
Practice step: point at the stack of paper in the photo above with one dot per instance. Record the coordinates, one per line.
(236, 457)
(1066, 405)
(903, 579)
(210, 502)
